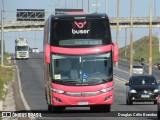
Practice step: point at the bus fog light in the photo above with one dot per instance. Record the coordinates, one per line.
(107, 98)
(58, 100)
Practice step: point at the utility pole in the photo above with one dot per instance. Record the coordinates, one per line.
(88, 6)
(150, 39)
(131, 38)
(96, 6)
(117, 31)
(159, 39)
(125, 42)
(106, 3)
(35, 39)
(82, 4)
(65, 4)
(77, 3)
(72, 4)
(2, 36)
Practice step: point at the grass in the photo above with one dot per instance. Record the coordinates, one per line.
(6, 75)
(141, 49)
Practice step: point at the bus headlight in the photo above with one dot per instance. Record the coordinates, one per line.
(57, 91)
(106, 89)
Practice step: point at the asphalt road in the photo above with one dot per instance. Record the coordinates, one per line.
(124, 65)
(32, 82)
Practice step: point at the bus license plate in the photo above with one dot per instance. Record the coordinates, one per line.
(83, 103)
(144, 96)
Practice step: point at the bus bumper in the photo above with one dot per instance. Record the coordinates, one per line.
(64, 100)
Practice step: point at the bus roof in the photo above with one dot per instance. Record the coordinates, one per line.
(77, 16)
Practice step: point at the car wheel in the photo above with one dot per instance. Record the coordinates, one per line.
(158, 111)
(58, 109)
(106, 108)
(129, 101)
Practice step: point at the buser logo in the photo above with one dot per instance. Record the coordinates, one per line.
(80, 25)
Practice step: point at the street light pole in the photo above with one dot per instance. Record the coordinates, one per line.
(117, 31)
(131, 39)
(150, 39)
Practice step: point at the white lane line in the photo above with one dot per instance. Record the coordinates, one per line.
(121, 79)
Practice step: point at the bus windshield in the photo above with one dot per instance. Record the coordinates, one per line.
(82, 69)
(80, 32)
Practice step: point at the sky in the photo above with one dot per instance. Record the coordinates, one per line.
(35, 38)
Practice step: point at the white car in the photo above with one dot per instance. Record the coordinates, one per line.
(138, 69)
(35, 50)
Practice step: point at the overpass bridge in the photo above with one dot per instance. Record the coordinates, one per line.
(124, 22)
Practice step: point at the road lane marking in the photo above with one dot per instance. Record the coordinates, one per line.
(122, 71)
(120, 79)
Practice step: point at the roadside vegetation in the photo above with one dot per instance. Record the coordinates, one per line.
(6, 75)
(141, 50)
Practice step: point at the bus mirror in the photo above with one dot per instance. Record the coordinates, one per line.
(115, 52)
(47, 54)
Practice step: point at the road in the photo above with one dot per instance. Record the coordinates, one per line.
(124, 66)
(32, 82)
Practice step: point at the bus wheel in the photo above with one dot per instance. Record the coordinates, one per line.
(101, 108)
(106, 108)
(58, 109)
(50, 108)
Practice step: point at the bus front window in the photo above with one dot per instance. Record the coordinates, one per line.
(89, 69)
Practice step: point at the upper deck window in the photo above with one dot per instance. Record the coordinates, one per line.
(80, 32)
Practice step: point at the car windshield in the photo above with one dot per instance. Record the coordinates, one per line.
(138, 67)
(82, 68)
(140, 80)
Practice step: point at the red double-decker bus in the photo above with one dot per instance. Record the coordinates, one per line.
(79, 55)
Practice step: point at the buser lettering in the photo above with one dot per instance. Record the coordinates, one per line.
(80, 31)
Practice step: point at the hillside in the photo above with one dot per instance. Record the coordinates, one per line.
(141, 49)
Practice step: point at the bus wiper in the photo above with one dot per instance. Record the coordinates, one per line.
(100, 79)
(105, 80)
(70, 80)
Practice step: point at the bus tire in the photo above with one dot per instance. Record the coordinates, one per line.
(106, 108)
(50, 108)
(100, 108)
(57, 109)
